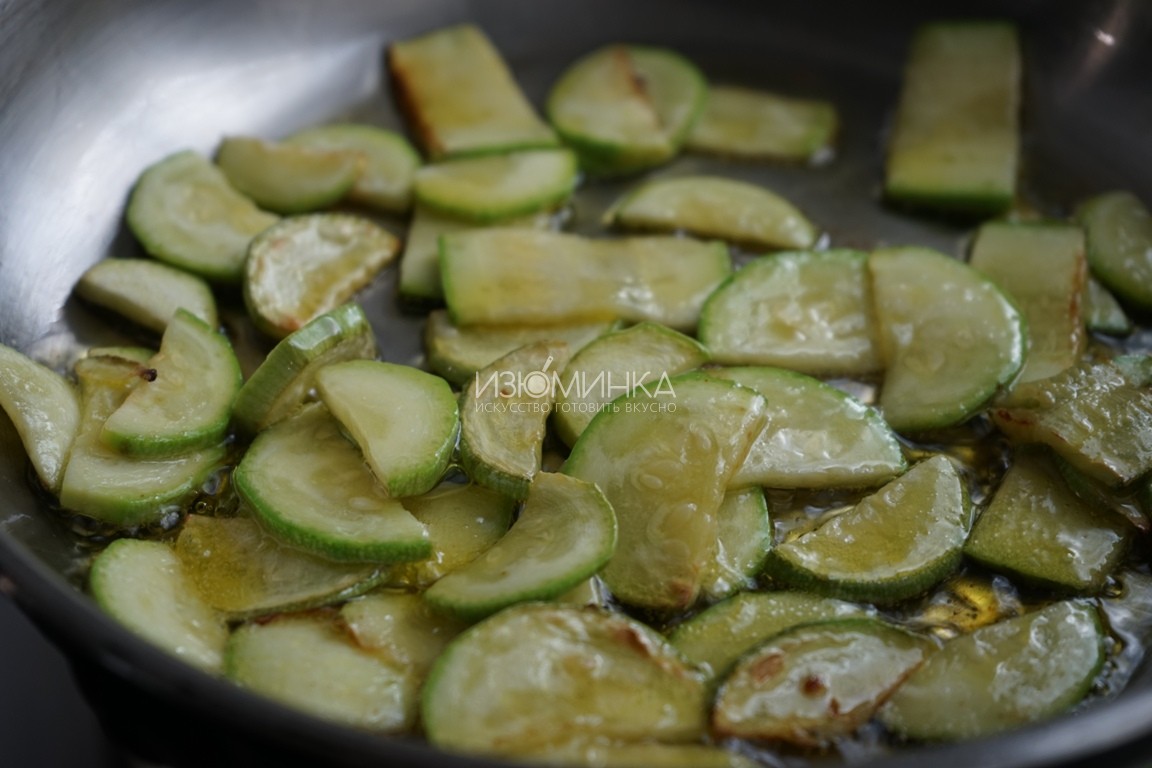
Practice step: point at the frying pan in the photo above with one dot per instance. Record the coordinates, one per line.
(92, 91)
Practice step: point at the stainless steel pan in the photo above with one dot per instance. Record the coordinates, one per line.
(91, 91)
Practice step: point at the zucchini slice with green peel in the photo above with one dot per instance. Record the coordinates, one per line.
(463, 521)
(950, 338)
(595, 753)
(1118, 230)
(490, 188)
(1036, 529)
(458, 352)
(309, 486)
(244, 571)
(132, 354)
(104, 484)
(717, 637)
(1129, 501)
(460, 96)
(282, 382)
(308, 265)
(147, 292)
(626, 108)
(712, 206)
(404, 420)
(310, 662)
(744, 536)
(814, 683)
(184, 212)
(1097, 417)
(1042, 267)
(288, 178)
(891, 546)
(504, 417)
(389, 162)
(45, 409)
(955, 144)
(185, 401)
(419, 280)
(142, 585)
(517, 277)
(817, 436)
(400, 628)
(564, 533)
(742, 122)
(809, 311)
(615, 364)
(663, 459)
(1102, 312)
(540, 675)
(1001, 676)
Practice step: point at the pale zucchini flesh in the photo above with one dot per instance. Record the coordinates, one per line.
(490, 188)
(308, 265)
(713, 206)
(288, 178)
(743, 538)
(184, 212)
(401, 628)
(540, 675)
(1118, 229)
(663, 460)
(817, 436)
(808, 311)
(143, 586)
(460, 96)
(1102, 312)
(564, 533)
(955, 144)
(743, 122)
(147, 292)
(45, 409)
(404, 420)
(309, 486)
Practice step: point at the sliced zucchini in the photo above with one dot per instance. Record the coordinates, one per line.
(389, 162)
(616, 363)
(564, 534)
(1001, 676)
(1102, 312)
(891, 546)
(589, 593)
(663, 459)
(185, 401)
(626, 108)
(712, 206)
(595, 753)
(284, 379)
(744, 536)
(742, 122)
(817, 436)
(1037, 530)
(516, 277)
(814, 683)
(717, 637)
(504, 417)
(539, 675)
(44, 408)
(310, 662)
(288, 178)
(125, 491)
(949, 337)
(460, 96)
(955, 144)
(1129, 501)
(309, 485)
(420, 265)
(242, 570)
(147, 292)
(809, 311)
(1098, 417)
(1118, 230)
(1042, 267)
(184, 212)
(487, 189)
(404, 420)
(308, 265)
(142, 585)
(458, 352)
(463, 521)
(400, 628)
(132, 354)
